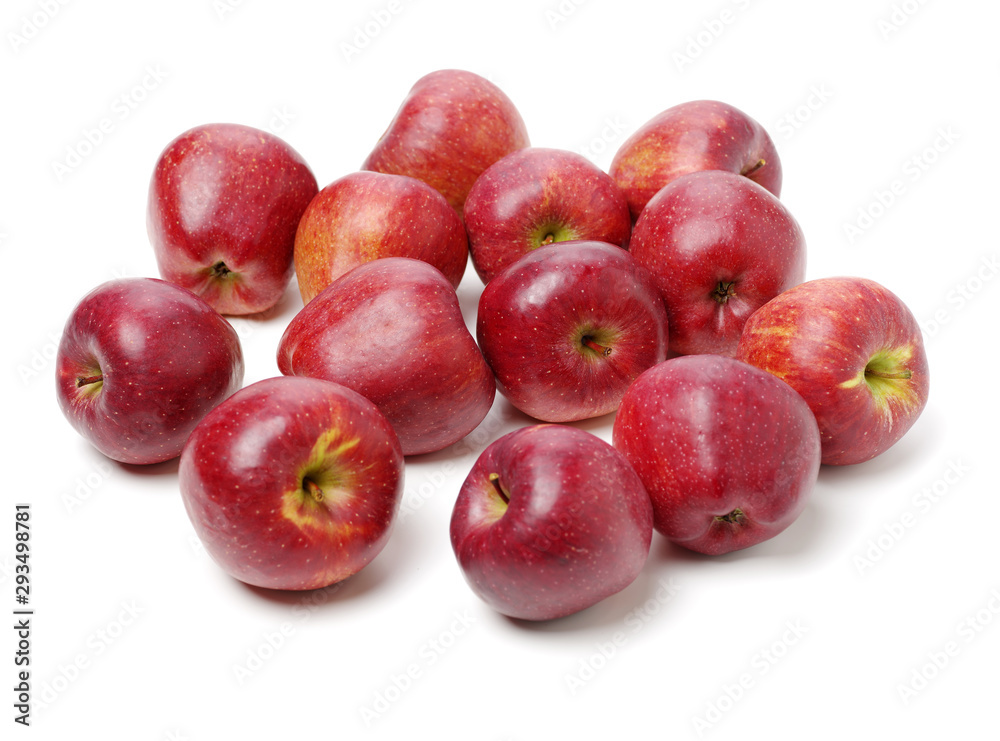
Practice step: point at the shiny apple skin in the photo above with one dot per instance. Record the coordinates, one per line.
(710, 229)
(166, 359)
(392, 329)
(710, 436)
(533, 318)
(538, 194)
(231, 194)
(241, 479)
(363, 216)
(820, 336)
(577, 529)
(451, 126)
(689, 137)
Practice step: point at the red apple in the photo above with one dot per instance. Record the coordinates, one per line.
(140, 362)
(392, 330)
(367, 215)
(855, 353)
(536, 196)
(693, 136)
(728, 454)
(720, 247)
(568, 326)
(452, 125)
(224, 203)
(550, 520)
(292, 483)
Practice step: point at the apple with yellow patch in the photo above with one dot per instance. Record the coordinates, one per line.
(363, 216)
(690, 137)
(293, 483)
(854, 351)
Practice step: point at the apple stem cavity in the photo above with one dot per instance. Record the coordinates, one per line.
(551, 232)
(724, 291)
(313, 489)
(753, 168)
(589, 341)
(892, 375)
(495, 480)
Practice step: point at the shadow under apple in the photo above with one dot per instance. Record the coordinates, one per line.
(649, 594)
(795, 546)
(164, 468)
(925, 439)
(354, 587)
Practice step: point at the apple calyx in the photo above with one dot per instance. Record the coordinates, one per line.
(736, 517)
(724, 291)
(753, 168)
(220, 271)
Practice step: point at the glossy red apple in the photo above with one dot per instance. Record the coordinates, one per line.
(140, 362)
(536, 196)
(728, 453)
(367, 215)
(292, 483)
(224, 203)
(720, 247)
(452, 125)
(392, 329)
(567, 328)
(550, 520)
(855, 353)
(689, 137)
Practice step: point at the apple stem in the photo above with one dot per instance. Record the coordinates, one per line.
(87, 380)
(897, 375)
(548, 239)
(599, 349)
(495, 480)
(753, 168)
(313, 488)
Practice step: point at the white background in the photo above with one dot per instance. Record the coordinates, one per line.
(138, 635)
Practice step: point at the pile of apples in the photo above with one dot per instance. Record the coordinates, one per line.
(668, 290)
